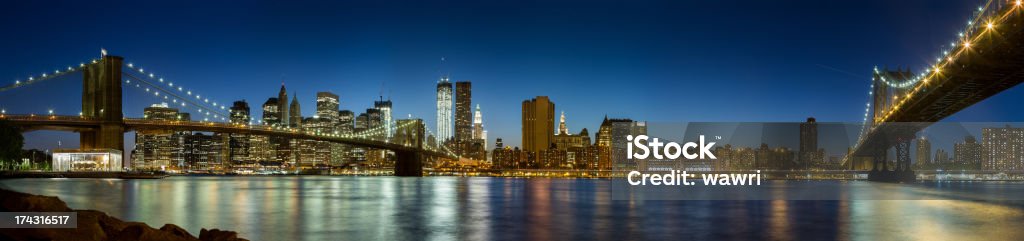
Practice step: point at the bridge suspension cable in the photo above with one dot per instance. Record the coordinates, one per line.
(441, 146)
(179, 88)
(175, 98)
(48, 75)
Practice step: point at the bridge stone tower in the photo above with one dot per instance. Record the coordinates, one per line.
(101, 100)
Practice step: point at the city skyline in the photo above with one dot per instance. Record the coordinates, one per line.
(361, 76)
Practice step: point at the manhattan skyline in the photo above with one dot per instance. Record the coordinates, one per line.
(751, 64)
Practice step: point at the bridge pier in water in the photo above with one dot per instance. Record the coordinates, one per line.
(901, 171)
(101, 100)
(409, 163)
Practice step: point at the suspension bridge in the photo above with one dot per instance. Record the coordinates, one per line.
(101, 124)
(986, 58)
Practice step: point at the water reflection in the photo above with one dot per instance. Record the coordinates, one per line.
(445, 208)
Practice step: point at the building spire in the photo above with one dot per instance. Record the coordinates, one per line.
(562, 129)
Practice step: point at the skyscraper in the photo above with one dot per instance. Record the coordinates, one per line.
(240, 144)
(620, 129)
(463, 111)
(562, 129)
(444, 110)
(538, 123)
(967, 155)
(477, 146)
(809, 154)
(566, 141)
(1003, 148)
(240, 112)
(478, 124)
(271, 115)
(327, 106)
(384, 106)
(924, 152)
(295, 113)
(346, 120)
(282, 106)
(327, 118)
(159, 149)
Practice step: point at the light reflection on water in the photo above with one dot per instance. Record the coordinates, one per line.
(446, 208)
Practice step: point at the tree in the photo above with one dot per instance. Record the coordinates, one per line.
(11, 142)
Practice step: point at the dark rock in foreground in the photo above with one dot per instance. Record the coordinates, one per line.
(93, 225)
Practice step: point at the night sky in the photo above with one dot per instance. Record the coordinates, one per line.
(670, 61)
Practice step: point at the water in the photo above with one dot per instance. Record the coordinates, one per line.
(447, 208)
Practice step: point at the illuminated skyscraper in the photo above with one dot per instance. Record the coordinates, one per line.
(159, 149)
(463, 111)
(1003, 148)
(477, 147)
(924, 152)
(385, 115)
(240, 112)
(478, 124)
(562, 129)
(240, 144)
(444, 110)
(346, 120)
(538, 124)
(327, 106)
(271, 115)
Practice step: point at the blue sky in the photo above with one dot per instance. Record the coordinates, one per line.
(645, 60)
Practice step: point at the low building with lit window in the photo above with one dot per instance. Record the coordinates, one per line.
(92, 160)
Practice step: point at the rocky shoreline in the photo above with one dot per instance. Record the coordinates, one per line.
(94, 225)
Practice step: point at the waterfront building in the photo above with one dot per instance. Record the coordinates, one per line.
(809, 155)
(620, 129)
(159, 149)
(538, 120)
(967, 154)
(923, 152)
(92, 160)
(565, 140)
(942, 157)
(1003, 148)
(240, 144)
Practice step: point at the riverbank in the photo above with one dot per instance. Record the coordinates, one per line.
(121, 175)
(92, 224)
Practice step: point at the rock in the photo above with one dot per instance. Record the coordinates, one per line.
(176, 231)
(92, 224)
(218, 235)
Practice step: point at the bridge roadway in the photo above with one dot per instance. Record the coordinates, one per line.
(77, 124)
